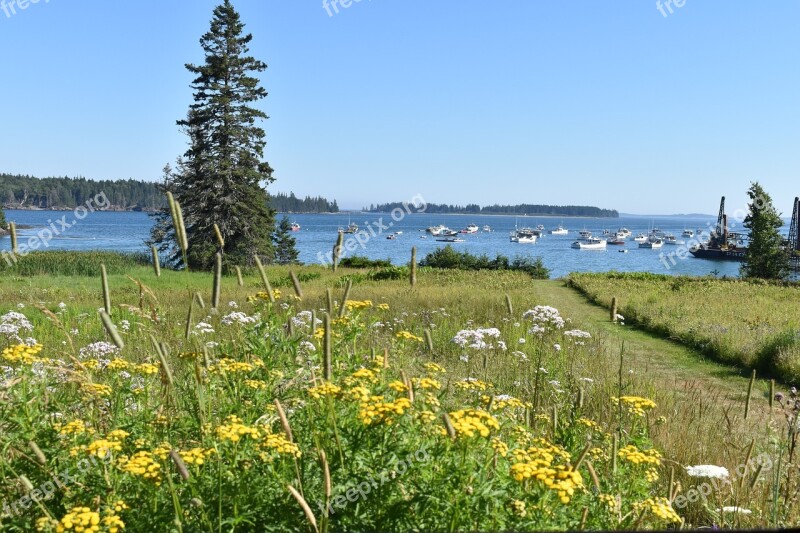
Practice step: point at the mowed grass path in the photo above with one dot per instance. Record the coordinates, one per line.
(676, 366)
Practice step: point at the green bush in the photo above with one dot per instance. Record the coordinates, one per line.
(447, 257)
(358, 261)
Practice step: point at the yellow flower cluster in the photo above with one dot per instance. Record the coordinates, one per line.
(190, 355)
(427, 383)
(263, 295)
(407, 336)
(196, 456)
(234, 430)
(591, 424)
(280, 444)
(101, 447)
(374, 410)
(598, 454)
(518, 508)
(558, 478)
(636, 405)
(433, 368)
(383, 307)
(80, 519)
(75, 427)
(113, 523)
(326, 389)
(365, 374)
(256, 384)
(95, 389)
(162, 450)
(647, 457)
(356, 304)
(500, 447)
(22, 353)
(118, 364)
(229, 365)
(356, 393)
(660, 507)
(468, 422)
(119, 506)
(610, 501)
(504, 401)
(426, 416)
(147, 369)
(651, 475)
(142, 464)
(398, 386)
(473, 384)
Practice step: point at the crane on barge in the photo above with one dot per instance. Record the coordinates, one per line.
(723, 244)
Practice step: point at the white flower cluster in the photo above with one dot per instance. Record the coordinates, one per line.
(578, 334)
(710, 471)
(237, 317)
(99, 350)
(203, 327)
(12, 324)
(303, 320)
(544, 318)
(474, 338)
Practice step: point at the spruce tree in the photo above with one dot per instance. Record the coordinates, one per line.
(766, 256)
(221, 178)
(2, 219)
(285, 251)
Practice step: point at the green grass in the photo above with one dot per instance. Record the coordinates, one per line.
(466, 483)
(66, 263)
(751, 324)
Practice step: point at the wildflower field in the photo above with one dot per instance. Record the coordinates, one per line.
(463, 403)
(752, 324)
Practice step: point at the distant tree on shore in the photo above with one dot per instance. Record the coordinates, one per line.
(285, 251)
(519, 209)
(222, 176)
(289, 203)
(766, 257)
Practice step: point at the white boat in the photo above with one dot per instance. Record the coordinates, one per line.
(640, 238)
(625, 232)
(487, 228)
(398, 232)
(351, 228)
(295, 226)
(472, 228)
(584, 234)
(671, 239)
(559, 231)
(450, 239)
(523, 237)
(540, 227)
(592, 243)
(621, 235)
(652, 244)
(436, 230)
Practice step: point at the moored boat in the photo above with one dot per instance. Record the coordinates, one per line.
(559, 231)
(592, 243)
(295, 226)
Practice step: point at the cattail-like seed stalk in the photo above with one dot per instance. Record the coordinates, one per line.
(239, 278)
(326, 343)
(179, 464)
(217, 287)
(509, 306)
(284, 420)
(220, 239)
(413, 268)
(264, 279)
(40, 457)
(189, 320)
(343, 303)
(106, 292)
(12, 228)
(329, 300)
(111, 329)
(337, 250)
(448, 425)
(428, 340)
(298, 291)
(614, 309)
(306, 509)
(156, 261)
(178, 226)
(749, 394)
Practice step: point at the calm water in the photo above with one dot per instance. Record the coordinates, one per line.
(127, 232)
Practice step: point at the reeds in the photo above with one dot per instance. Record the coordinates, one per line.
(106, 292)
(264, 279)
(156, 261)
(298, 291)
(413, 267)
(179, 226)
(217, 287)
(12, 228)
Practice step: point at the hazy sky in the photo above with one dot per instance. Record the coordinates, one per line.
(558, 102)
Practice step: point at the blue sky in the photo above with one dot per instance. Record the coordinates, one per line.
(583, 102)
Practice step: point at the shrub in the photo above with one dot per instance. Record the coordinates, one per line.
(447, 257)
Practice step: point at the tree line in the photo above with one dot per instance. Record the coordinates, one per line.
(289, 203)
(18, 191)
(496, 209)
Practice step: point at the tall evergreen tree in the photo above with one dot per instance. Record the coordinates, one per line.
(2, 219)
(766, 256)
(221, 178)
(285, 251)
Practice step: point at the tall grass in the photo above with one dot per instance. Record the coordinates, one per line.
(69, 263)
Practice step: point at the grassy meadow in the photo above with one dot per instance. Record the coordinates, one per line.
(463, 403)
(752, 324)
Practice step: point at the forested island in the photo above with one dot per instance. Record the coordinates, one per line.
(496, 209)
(28, 192)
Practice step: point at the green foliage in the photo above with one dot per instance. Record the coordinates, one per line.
(285, 251)
(220, 178)
(3, 223)
(45, 193)
(448, 257)
(748, 323)
(69, 263)
(289, 203)
(766, 257)
(519, 209)
(358, 261)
